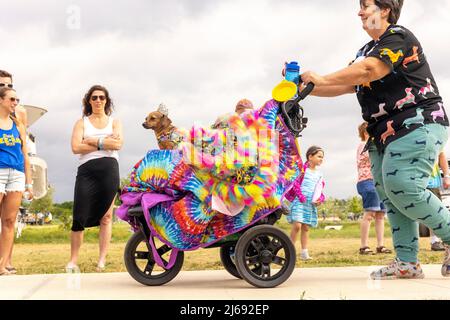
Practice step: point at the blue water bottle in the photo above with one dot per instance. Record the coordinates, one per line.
(292, 72)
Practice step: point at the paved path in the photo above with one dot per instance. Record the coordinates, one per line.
(308, 283)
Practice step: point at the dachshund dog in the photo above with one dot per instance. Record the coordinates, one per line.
(165, 132)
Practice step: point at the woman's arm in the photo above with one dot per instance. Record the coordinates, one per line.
(115, 141)
(367, 70)
(332, 91)
(112, 142)
(78, 146)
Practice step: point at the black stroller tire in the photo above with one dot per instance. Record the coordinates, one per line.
(145, 276)
(260, 247)
(225, 256)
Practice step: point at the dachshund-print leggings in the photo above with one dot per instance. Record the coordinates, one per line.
(401, 177)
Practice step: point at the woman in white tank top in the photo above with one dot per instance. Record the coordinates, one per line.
(96, 137)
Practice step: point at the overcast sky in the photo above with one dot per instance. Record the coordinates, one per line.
(199, 57)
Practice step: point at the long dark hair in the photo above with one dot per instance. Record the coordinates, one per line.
(394, 5)
(87, 108)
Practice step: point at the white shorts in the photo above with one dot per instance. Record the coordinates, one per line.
(11, 180)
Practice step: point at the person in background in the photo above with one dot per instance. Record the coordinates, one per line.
(96, 137)
(242, 106)
(305, 195)
(6, 80)
(373, 207)
(434, 186)
(15, 174)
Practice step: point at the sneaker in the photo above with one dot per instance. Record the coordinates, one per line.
(437, 246)
(72, 268)
(399, 270)
(305, 257)
(445, 270)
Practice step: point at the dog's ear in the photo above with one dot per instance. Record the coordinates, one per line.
(165, 122)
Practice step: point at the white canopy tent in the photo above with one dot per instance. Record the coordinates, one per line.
(34, 113)
(38, 165)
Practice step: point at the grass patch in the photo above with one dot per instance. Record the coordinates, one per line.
(46, 249)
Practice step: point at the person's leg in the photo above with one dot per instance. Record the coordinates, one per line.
(406, 177)
(105, 236)
(76, 240)
(10, 206)
(304, 236)
(397, 268)
(365, 226)
(295, 229)
(1, 233)
(379, 228)
(435, 242)
(304, 242)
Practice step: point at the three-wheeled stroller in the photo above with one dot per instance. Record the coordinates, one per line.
(171, 203)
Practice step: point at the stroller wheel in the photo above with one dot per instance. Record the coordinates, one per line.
(227, 256)
(265, 256)
(141, 265)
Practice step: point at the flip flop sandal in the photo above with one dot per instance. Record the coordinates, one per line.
(11, 270)
(365, 251)
(5, 273)
(383, 249)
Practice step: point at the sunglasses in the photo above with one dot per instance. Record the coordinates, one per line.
(101, 98)
(9, 85)
(12, 99)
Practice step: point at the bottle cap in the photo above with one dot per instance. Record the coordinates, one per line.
(293, 66)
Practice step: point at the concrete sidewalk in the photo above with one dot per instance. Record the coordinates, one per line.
(350, 283)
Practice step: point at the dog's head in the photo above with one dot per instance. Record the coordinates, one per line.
(156, 121)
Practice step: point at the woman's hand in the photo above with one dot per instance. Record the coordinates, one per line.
(91, 141)
(29, 190)
(313, 77)
(114, 136)
(446, 182)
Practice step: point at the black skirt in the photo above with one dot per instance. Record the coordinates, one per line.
(96, 185)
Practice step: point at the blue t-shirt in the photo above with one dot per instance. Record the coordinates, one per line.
(11, 155)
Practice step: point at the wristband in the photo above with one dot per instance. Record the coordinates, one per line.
(447, 176)
(100, 144)
(28, 186)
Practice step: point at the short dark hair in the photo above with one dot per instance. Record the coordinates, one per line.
(5, 74)
(312, 151)
(395, 7)
(87, 108)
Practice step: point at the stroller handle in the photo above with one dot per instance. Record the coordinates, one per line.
(305, 92)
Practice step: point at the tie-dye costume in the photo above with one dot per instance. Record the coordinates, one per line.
(231, 174)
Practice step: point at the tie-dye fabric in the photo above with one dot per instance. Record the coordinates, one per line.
(230, 173)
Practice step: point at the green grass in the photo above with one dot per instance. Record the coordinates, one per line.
(122, 231)
(56, 235)
(46, 249)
